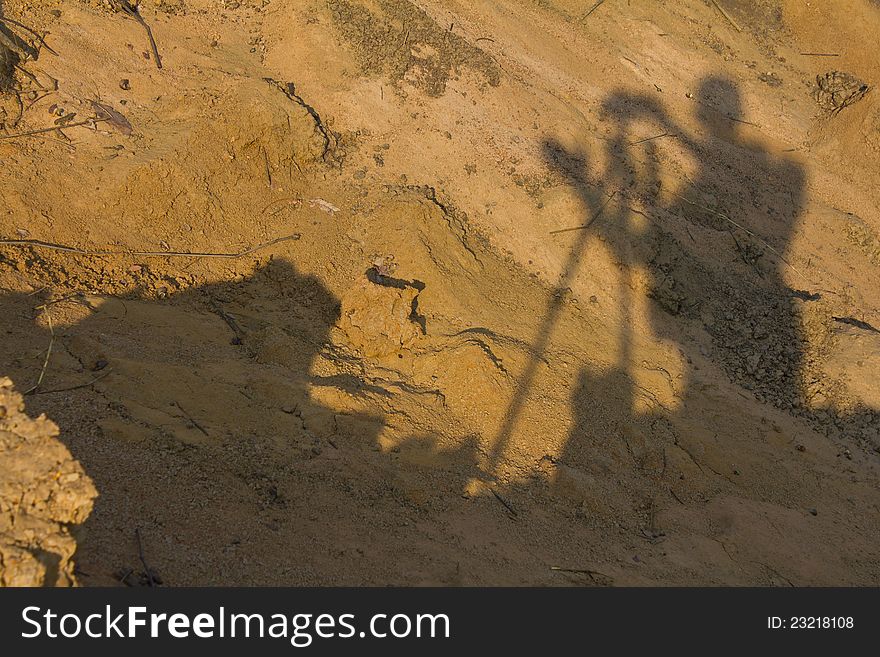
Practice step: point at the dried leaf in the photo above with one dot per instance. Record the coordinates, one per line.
(112, 117)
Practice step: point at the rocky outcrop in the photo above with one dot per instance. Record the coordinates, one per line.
(44, 495)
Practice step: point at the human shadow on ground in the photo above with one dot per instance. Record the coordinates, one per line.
(205, 433)
(192, 411)
(714, 250)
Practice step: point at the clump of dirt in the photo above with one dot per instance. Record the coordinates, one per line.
(44, 496)
(378, 319)
(863, 237)
(836, 90)
(402, 42)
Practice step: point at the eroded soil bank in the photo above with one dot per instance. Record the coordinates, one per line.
(440, 292)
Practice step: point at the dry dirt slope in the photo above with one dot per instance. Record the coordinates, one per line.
(430, 379)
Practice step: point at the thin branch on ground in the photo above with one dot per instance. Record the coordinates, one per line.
(40, 244)
(726, 15)
(132, 11)
(40, 37)
(147, 570)
(76, 387)
(589, 223)
(593, 8)
(52, 129)
(33, 389)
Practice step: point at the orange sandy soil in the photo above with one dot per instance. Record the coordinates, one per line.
(436, 383)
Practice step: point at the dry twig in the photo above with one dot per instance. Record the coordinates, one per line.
(147, 570)
(590, 222)
(132, 11)
(507, 505)
(597, 577)
(593, 8)
(40, 244)
(642, 141)
(76, 387)
(191, 419)
(726, 15)
(33, 389)
(53, 128)
(580, 571)
(39, 37)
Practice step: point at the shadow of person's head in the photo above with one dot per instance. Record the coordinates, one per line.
(275, 313)
(719, 106)
(168, 385)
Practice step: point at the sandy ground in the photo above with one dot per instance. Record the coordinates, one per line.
(558, 296)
